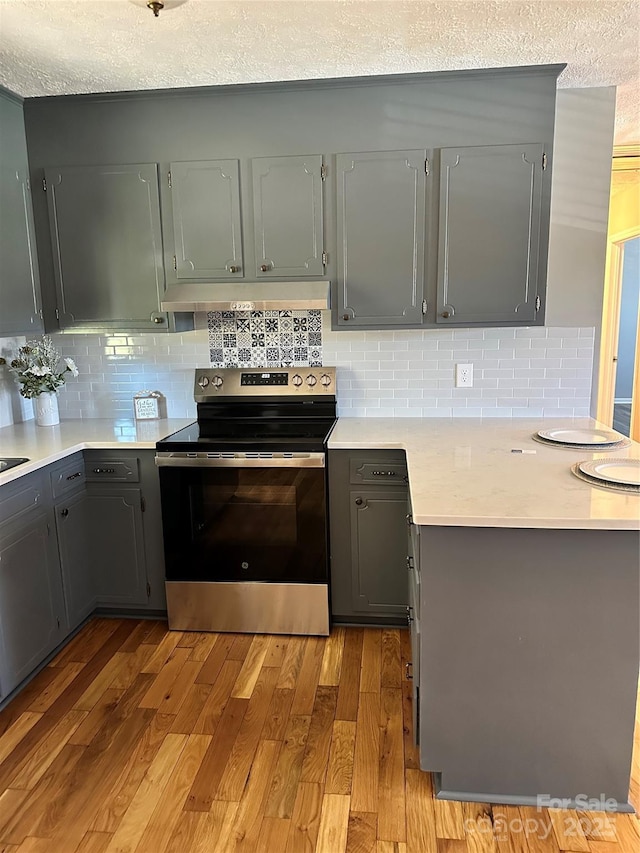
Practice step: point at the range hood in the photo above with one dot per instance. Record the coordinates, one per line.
(253, 296)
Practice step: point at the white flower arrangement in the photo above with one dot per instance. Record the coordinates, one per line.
(37, 368)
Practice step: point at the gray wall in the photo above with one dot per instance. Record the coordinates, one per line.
(580, 205)
(629, 303)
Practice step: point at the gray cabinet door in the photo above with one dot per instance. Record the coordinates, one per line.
(490, 204)
(32, 621)
(381, 238)
(107, 245)
(19, 281)
(116, 545)
(287, 209)
(73, 522)
(205, 197)
(379, 551)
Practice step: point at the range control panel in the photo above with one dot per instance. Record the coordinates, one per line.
(264, 379)
(219, 382)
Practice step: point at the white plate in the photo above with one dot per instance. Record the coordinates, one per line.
(625, 471)
(581, 436)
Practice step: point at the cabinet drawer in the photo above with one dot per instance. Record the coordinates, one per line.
(112, 470)
(20, 497)
(67, 478)
(387, 473)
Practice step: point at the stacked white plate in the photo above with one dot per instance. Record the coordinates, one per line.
(582, 439)
(622, 474)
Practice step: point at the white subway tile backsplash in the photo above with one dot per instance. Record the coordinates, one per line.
(522, 372)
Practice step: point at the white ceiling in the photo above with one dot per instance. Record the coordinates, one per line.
(52, 47)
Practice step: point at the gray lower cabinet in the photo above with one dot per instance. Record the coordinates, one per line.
(125, 529)
(381, 221)
(107, 245)
(508, 696)
(85, 532)
(72, 511)
(205, 202)
(20, 311)
(368, 539)
(287, 216)
(413, 564)
(73, 524)
(489, 234)
(116, 545)
(32, 615)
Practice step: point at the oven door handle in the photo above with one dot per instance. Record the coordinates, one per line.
(177, 460)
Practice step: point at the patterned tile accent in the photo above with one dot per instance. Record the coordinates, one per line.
(265, 338)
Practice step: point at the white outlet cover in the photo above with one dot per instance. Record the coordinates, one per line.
(464, 375)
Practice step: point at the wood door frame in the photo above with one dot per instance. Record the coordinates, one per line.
(627, 159)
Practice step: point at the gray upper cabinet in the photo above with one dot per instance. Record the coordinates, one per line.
(19, 281)
(489, 235)
(107, 245)
(381, 237)
(205, 200)
(287, 212)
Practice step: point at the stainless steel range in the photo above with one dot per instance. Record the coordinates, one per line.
(244, 503)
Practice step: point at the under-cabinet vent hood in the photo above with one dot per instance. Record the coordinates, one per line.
(254, 296)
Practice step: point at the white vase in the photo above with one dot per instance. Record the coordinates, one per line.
(46, 405)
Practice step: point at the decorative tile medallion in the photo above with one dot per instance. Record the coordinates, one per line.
(265, 338)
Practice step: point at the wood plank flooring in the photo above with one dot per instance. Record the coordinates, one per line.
(140, 740)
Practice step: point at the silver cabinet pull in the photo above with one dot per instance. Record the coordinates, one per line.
(408, 670)
(234, 269)
(359, 501)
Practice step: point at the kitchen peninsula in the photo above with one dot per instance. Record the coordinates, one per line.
(523, 591)
(523, 588)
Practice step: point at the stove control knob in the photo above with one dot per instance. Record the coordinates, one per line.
(296, 380)
(217, 381)
(311, 380)
(325, 379)
(203, 382)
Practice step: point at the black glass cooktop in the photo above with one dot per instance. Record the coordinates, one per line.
(275, 436)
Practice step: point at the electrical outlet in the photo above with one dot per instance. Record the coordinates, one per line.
(464, 375)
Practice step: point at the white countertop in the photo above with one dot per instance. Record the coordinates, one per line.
(44, 445)
(462, 472)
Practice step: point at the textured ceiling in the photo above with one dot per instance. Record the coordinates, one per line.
(70, 46)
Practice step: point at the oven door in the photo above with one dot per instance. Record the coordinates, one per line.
(240, 517)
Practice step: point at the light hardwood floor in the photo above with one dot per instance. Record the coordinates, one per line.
(139, 739)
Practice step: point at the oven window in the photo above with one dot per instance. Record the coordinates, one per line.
(254, 524)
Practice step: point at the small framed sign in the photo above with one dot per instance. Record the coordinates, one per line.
(146, 406)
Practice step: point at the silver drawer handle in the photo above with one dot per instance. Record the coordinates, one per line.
(75, 476)
(408, 670)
